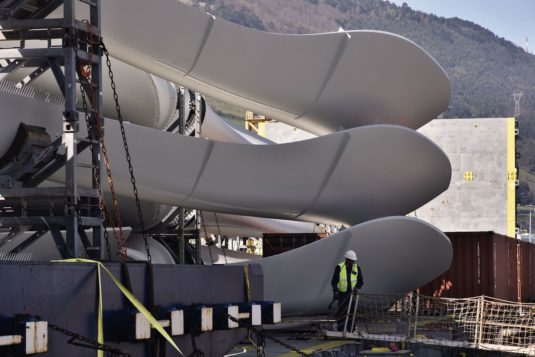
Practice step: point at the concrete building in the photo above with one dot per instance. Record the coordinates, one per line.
(481, 196)
(283, 133)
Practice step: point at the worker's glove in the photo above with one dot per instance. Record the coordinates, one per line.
(336, 295)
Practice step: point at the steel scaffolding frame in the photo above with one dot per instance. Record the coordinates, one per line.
(26, 20)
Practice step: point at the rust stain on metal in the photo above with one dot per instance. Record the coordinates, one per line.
(36, 340)
(486, 263)
(206, 319)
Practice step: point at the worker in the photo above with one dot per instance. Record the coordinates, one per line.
(347, 277)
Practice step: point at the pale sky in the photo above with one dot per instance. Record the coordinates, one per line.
(511, 19)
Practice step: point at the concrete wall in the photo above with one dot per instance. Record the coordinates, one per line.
(284, 133)
(485, 148)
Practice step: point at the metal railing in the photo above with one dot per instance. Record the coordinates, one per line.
(480, 322)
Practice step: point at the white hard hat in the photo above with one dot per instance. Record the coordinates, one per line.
(351, 255)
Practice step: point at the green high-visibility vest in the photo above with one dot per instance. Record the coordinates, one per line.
(342, 281)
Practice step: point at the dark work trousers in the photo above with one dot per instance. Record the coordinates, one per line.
(343, 303)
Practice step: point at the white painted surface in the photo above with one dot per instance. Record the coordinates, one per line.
(40, 344)
(142, 327)
(277, 312)
(320, 83)
(207, 319)
(351, 176)
(10, 340)
(396, 255)
(144, 98)
(233, 311)
(256, 315)
(44, 248)
(177, 322)
(478, 146)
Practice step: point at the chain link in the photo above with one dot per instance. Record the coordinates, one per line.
(206, 237)
(87, 342)
(127, 151)
(80, 226)
(220, 237)
(224, 250)
(211, 256)
(104, 213)
(119, 236)
(196, 351)
(261, 346)
(263, 336)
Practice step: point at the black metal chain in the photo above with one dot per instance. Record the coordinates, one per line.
(220, 237)
(260, 346)
(80, 226)
(82, 341)
(224, 250)
(196, 351)
(206, 236)
(210, 251)
(263, 336)
(203, 224)
(91, 138)
(101, 204)
(91, 127)
(98, 125)
(126, 149)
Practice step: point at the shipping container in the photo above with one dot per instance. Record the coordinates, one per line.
(486, 263)
(276, 243)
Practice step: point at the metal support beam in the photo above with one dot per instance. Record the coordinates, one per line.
(198, 257)
(46, 10)
(12, 233)
(181, 238)
(22, 20)
(17, 5)
(57, 164)
(16, 53)
(60, 243)
(10, 66)
(70, 130)
(181, 215)
(58, 73)
(36, 73)
(17, 24)
(96, 76)
(25, 35)
(28, 242)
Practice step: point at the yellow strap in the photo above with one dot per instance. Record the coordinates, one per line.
(139, 306)
(319, 348)
(247, 283)
(100, 325)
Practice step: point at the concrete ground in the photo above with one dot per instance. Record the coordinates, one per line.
(304, 334)
(307, 343)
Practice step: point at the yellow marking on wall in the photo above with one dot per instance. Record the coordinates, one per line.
(512, 177)
(256, 123)
(468, 176)
(258, 128)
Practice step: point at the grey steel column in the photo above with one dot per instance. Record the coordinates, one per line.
(181, 131)
(181, 238)
(70, 130)
(96, 70)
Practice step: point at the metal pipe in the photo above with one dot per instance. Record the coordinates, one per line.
(355, 310)
(347, 315)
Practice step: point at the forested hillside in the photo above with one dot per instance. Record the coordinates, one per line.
(484, 69)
